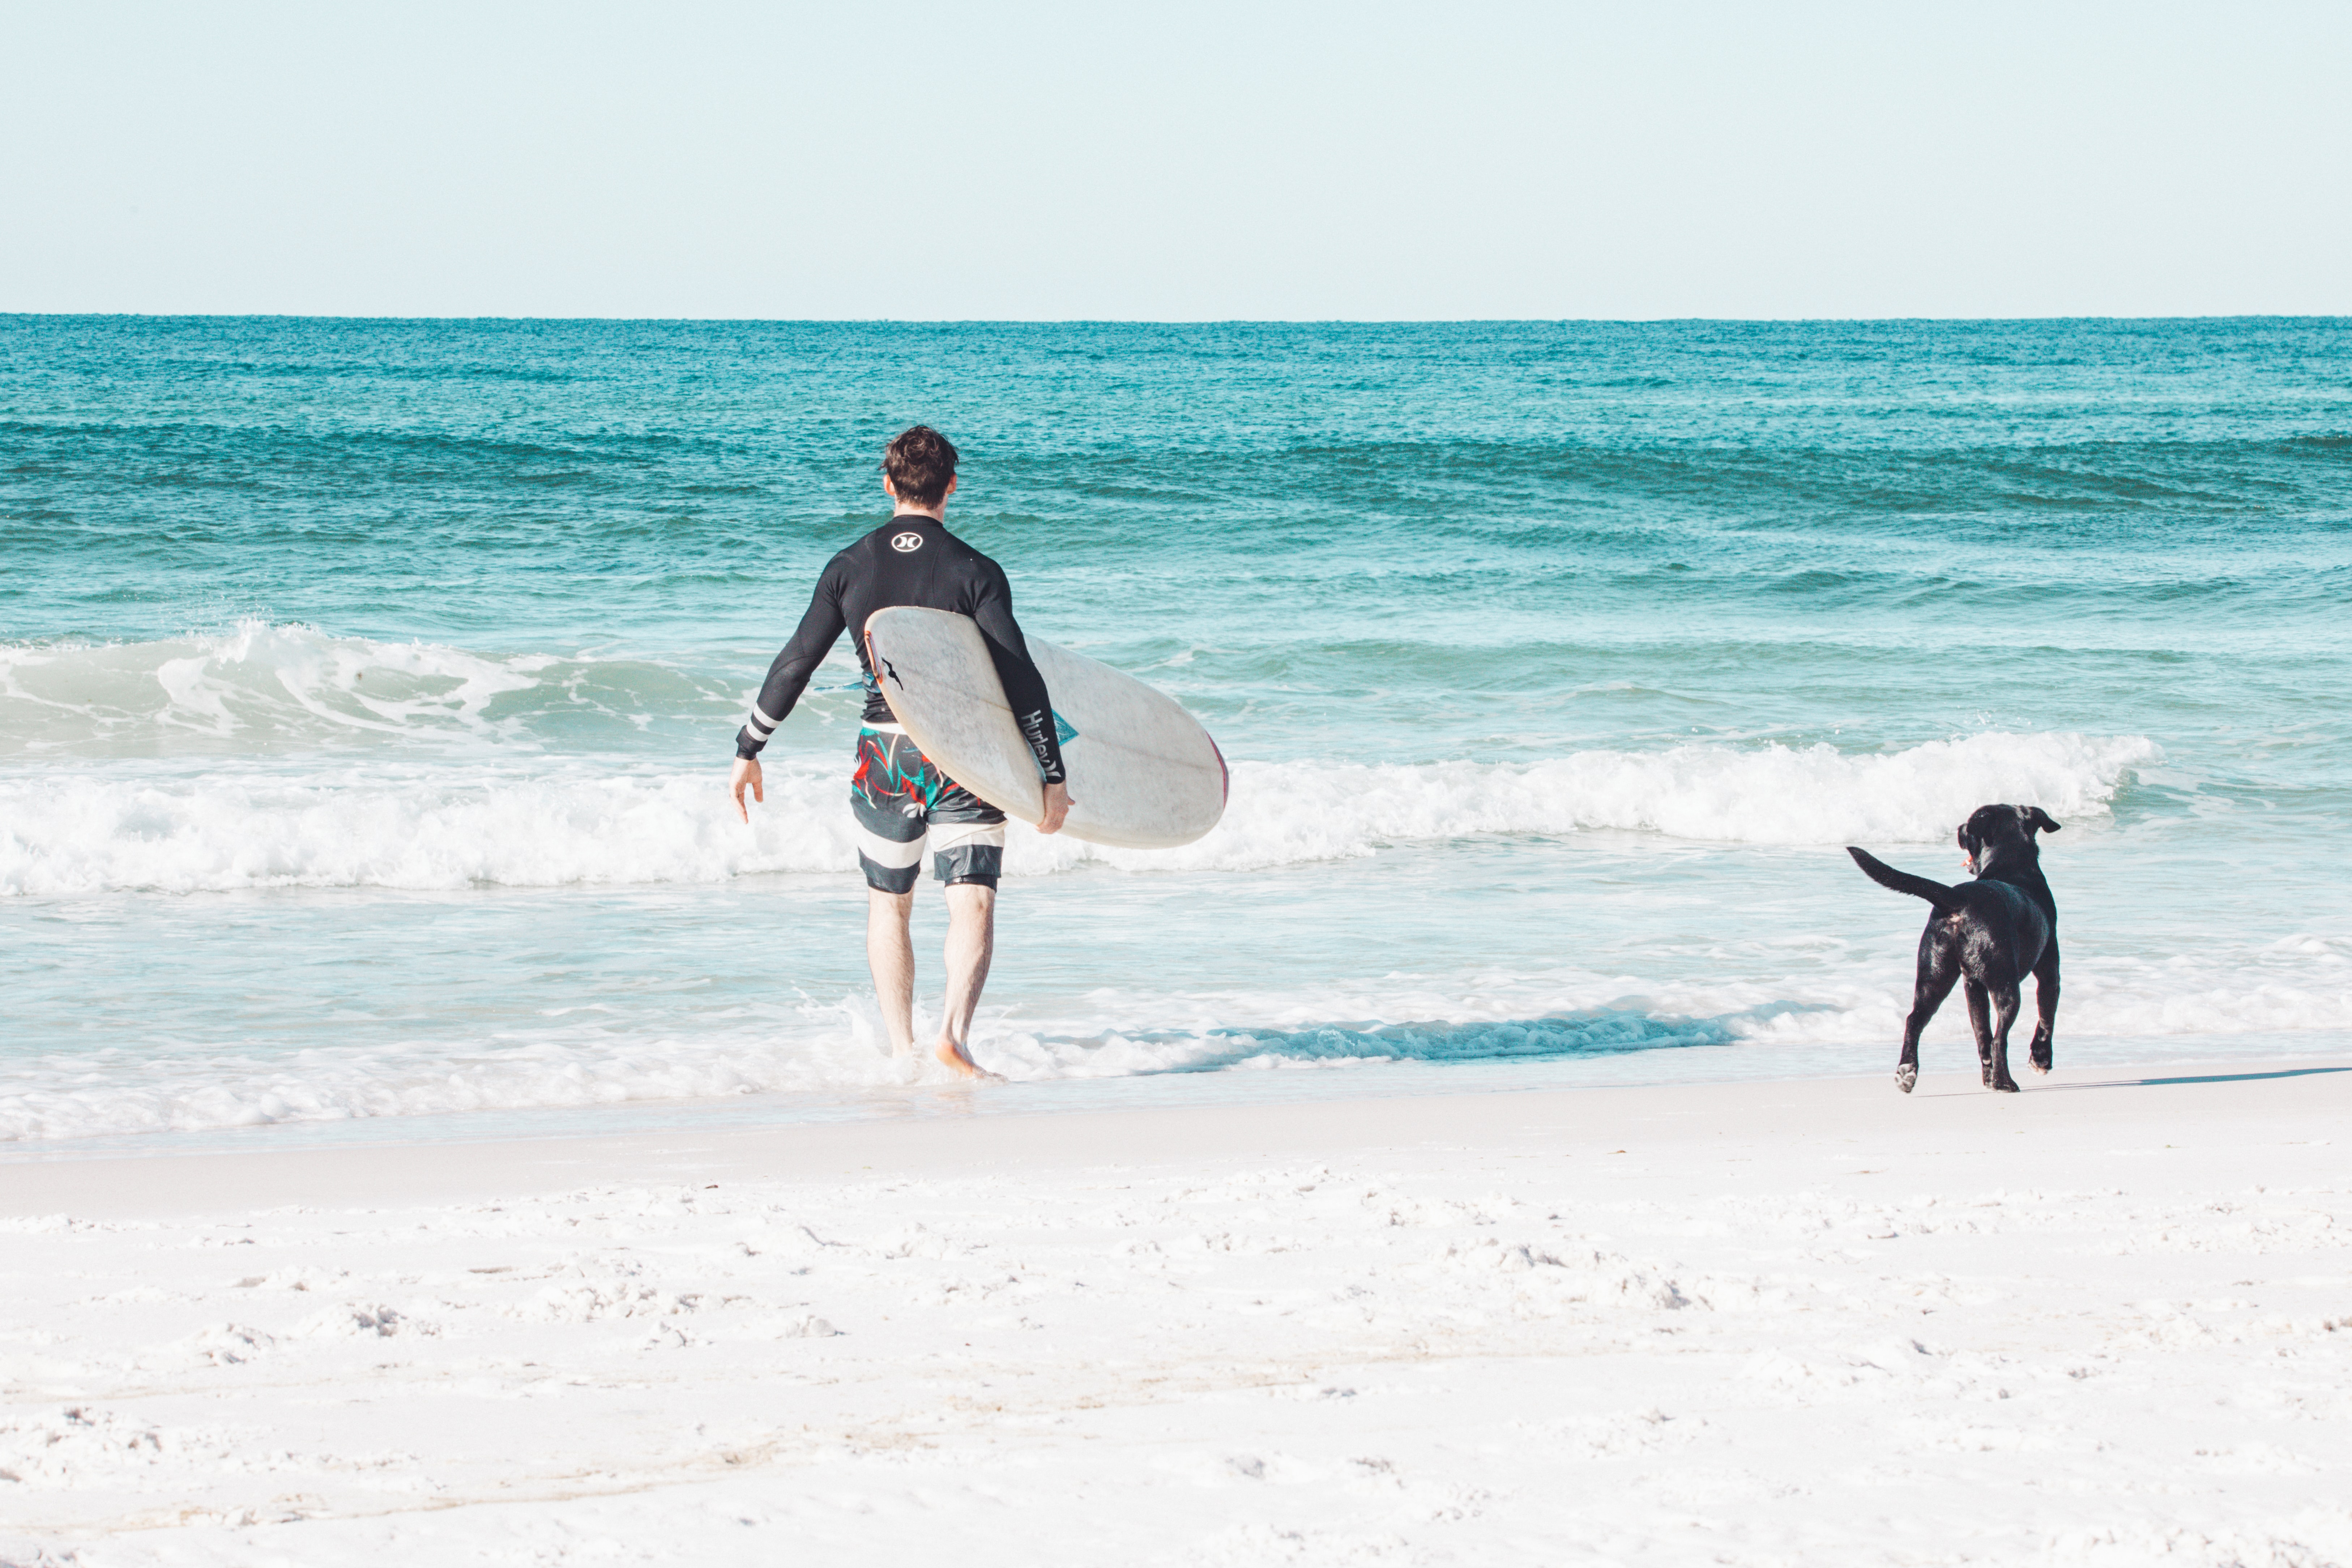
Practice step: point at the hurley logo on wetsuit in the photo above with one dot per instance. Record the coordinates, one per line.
(903, 542)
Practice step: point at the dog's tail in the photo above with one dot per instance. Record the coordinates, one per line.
(1887, 876)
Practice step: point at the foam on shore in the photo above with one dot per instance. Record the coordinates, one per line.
(1845, 1016)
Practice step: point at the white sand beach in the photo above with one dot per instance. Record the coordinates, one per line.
(2109, 1320)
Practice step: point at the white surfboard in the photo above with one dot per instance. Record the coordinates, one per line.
(1142, 772)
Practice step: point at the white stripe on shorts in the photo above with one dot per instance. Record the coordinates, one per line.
(947, 836)
(888, 853)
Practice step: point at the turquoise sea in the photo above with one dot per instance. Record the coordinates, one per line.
(367, 692)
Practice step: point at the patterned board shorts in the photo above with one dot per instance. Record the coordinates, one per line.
(902, 799)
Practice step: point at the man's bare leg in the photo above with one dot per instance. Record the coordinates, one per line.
(890, 953)
(971, 942)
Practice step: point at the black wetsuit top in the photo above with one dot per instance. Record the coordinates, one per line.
(910, 559)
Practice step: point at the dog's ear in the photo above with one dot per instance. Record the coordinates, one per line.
(1961, 835)
(2036, 817)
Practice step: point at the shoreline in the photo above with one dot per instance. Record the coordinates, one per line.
(778, 1109)
(942, 1138)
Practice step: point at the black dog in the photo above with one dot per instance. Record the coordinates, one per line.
(1994, 930)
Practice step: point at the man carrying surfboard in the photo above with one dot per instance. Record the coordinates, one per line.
(901, 799)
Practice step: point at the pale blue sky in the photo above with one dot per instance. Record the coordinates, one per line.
(1210, 160)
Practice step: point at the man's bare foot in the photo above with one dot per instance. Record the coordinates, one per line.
(957, 1060)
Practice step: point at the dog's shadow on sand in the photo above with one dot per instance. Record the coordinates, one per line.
(2147, 1082)
(2199, 1078)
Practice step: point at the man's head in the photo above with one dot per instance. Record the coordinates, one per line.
(919, 468)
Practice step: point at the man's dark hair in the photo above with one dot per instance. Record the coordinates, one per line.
(920, 463)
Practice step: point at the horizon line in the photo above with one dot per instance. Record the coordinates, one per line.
(1155, 320)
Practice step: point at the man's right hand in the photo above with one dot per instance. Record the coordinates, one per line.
(746, 772)
(1057, 806)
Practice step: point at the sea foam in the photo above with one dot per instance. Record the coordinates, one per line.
(1845, 1015)
(78, 831)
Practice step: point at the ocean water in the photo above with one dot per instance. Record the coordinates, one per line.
(367, 692)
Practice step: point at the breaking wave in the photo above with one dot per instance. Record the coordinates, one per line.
(76, 831)
(263, 691)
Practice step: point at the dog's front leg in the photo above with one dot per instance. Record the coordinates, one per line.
(1980, 1026)
(2045, 1007)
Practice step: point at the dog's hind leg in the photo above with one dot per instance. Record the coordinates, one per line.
(1980, 1026)
(1939, 966)
(2045, 1005)
(2006, 1001)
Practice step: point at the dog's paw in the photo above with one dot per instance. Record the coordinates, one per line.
(1905, 1076)
(2042, 1064)
(2005, 1086)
